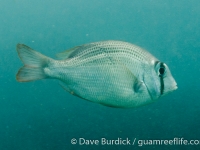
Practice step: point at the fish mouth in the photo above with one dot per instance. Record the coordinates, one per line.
(174, 88)
(171, 90)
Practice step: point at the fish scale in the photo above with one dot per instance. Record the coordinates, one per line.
(103, 75)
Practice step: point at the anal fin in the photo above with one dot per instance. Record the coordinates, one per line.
(66, 88)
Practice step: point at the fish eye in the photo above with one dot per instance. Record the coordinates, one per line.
(160, 68)
(162, 71)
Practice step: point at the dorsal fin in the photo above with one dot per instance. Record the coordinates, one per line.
(75, 51)
(65, 54)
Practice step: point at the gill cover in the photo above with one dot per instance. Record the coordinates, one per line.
(154, 79)
(159, 80)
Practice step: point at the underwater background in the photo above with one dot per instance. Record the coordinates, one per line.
(41, 115)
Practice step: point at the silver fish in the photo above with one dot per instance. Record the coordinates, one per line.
(112, 73)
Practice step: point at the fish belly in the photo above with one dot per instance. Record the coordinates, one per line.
(109, 85)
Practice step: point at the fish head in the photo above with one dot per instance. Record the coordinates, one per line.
(159, 80)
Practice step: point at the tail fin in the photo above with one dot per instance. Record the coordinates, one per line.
(34, 64)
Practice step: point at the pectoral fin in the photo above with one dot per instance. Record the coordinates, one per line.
(139, 86)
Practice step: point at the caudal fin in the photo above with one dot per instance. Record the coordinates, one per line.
(34, 64)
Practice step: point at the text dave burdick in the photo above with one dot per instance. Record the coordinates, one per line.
(133, 141)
